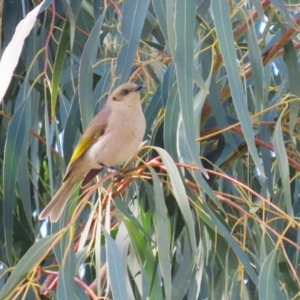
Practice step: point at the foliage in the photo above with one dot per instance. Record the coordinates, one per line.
(208, 209)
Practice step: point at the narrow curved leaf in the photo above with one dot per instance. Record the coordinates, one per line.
(26, 264)
(162, 226)
(224, 33)
(115, 268)
(86, 73)
(11, 55)
(283, 165)
(134, 14)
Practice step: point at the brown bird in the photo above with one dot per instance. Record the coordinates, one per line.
(113, 136)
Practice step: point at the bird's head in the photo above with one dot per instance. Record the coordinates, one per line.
(127, 93)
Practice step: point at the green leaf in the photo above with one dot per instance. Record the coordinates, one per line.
(26, 264)
(66, 258)
(134, 14)
(115, 268)
(61, 53)
(11, 55)
(184, 273)
(224, 33)
(172, 116)
(258, 70)
(145, 256)
(266, 285)
(179, 193)
(86, 73)
(283, 165)
(162, 227)
(160, 12)
(293, 73)
(16, 136)
(235, 247)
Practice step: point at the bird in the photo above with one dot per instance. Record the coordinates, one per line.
(113, 136)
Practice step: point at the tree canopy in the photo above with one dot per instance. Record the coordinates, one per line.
(209, 206)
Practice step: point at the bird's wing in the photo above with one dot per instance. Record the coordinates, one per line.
(96, 129)
(83, 145)
(89, 176)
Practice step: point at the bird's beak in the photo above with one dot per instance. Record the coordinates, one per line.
(137, 89)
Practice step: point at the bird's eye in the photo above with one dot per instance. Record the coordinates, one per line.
(124, 92)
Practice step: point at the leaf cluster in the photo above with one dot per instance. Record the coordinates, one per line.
(209, 206)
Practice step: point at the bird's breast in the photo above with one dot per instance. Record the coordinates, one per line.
(121, 139)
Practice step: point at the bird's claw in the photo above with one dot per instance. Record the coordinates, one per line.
(117, 175)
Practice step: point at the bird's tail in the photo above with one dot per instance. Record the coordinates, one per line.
(56, 206)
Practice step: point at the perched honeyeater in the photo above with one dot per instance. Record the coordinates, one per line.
(113, 136)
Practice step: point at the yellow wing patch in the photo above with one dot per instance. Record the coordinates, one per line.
(83, 145)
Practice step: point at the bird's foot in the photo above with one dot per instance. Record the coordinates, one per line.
(117, 175)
